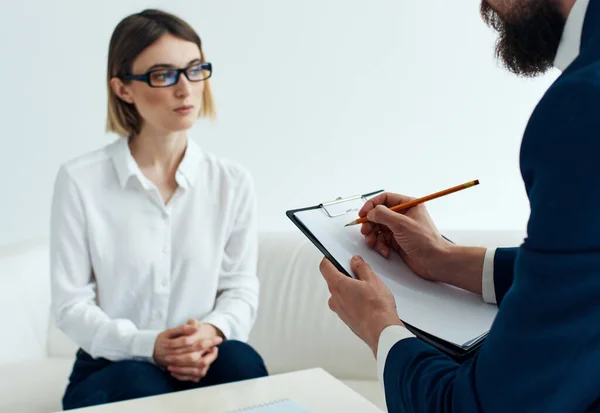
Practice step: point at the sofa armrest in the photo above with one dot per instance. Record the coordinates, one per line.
(24, 300)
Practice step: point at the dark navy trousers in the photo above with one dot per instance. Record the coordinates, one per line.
(99, 381)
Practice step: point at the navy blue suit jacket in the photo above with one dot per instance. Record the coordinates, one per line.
(543, 351)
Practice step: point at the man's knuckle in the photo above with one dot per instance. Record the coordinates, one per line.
(363, 266)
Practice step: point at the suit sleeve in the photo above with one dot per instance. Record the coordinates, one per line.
(504, 271)
(541, 354)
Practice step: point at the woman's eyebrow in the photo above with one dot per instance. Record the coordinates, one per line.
(170, 66)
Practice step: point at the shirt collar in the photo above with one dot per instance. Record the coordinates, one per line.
(127, 167)
(570, 43)
(188, 167)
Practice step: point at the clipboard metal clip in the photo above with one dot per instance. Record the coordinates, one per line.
(339, 200)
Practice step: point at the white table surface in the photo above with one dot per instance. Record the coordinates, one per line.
(315, 389)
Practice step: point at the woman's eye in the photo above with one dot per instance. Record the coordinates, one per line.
(162, 76)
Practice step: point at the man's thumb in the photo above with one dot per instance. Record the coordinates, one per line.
(385, 216)
(361, 269)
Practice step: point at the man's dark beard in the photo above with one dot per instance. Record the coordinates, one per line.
(528, 36)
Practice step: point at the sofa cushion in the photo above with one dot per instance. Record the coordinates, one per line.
(34, 386)
(295, 329)
(24, 300)
(59, 345)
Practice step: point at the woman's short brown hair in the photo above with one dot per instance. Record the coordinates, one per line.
(131, 36)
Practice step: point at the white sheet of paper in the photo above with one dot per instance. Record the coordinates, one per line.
(450, 313)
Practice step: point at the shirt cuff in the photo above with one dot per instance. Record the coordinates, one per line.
(487, 279)
(219, 321)
(388, 338)
(142, 346)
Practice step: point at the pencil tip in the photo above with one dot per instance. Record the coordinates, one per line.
(348, 224)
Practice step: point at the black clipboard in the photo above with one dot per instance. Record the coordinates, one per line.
(457, 353)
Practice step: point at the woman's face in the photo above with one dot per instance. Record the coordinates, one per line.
(165, 109)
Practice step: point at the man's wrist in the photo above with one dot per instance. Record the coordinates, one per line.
(389, 320)
(460, 266)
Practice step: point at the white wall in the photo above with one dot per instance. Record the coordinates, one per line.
(318, 98)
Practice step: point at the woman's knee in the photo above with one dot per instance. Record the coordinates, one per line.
(118, 381)
(235, 349)
(134, 379)
(241, 360)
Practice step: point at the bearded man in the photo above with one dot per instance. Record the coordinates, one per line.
(542, 353)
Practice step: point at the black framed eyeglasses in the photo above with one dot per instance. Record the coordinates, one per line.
(170, 76)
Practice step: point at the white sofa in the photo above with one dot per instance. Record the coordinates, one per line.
(295, 328)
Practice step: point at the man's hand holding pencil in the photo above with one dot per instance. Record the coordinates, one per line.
(394, 223)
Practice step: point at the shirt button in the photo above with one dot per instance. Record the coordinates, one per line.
(165, 250)
(165, 282)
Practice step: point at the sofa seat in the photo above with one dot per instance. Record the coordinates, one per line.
(295, 329)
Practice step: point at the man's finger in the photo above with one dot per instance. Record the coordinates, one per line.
(381, 246)
(362, 270)
(330, 273)
(387, 199)
(395, 221)
(369, 205)
(366, 228)
(371, 240)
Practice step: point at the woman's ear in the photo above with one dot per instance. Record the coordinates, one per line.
(121, 90)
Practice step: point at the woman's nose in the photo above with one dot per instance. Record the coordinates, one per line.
(182, 87)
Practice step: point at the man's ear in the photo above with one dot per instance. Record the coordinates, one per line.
(121, 90)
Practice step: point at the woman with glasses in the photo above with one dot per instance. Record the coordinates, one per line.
(153, 240)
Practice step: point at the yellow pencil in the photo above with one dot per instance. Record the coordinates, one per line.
(410, 204)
